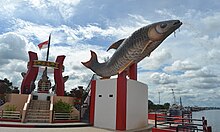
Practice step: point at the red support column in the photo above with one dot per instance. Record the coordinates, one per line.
(121, 106)
(92, 102)
(209, 129)
(133, 71)
(58, 77)
(31, 74)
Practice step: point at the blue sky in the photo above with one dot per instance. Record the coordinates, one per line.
(187, 63)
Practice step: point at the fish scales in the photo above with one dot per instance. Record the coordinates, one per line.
(133, 49)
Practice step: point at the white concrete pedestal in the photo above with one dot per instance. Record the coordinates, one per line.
(107, 104)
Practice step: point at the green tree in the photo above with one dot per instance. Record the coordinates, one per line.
(62, 107)
(5, 86)
(166, 105)
(150, 105)
(10, 108)
(15, 90)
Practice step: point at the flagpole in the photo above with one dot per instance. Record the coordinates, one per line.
(48, 49)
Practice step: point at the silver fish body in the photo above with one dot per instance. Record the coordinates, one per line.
(133, 49)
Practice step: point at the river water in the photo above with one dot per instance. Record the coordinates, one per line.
(212, 117)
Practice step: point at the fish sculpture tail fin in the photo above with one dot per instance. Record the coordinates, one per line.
(93, 60)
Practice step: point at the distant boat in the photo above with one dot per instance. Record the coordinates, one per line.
(177, 110)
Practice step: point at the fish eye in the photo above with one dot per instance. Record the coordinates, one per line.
(163, 25)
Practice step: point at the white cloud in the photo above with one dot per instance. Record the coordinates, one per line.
(181, 66)
(13, 57)
(92, 30)
(8, 7)
(64, 32)
(206, 83)
(140, 20)
(156, 59)
(213, 55)
(167, 13)
(40, 11)
(211, 22)
(29, 29)
(204, 72)
(163, 78)
(13, 46)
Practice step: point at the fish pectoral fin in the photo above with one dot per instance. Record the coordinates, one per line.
(146, 46)
(124, 67)
(116, 44)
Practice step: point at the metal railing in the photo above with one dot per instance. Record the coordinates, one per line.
(86, 99)
(10, 114)
(182, 124)
(66, 116)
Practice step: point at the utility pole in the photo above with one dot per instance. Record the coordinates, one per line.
(174, 98)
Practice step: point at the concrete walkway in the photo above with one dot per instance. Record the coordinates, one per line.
(78, 129)
(58, 127)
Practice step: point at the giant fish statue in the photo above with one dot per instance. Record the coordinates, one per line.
(133, 49)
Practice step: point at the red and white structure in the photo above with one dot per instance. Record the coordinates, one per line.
(119, 104)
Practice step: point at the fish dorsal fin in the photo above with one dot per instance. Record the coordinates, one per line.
(116, 44)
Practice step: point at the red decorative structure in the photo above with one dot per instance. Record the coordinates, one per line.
(132, 73)
(58, 76)
(33, 68)
(121, 102)
(31, 75)
(92, 103)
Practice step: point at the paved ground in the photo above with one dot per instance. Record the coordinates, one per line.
(73, 129)
(81, 129)
(60, 129)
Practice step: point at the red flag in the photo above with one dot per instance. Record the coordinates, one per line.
(43, 44)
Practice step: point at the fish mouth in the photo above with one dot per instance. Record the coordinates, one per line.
(177, 23)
